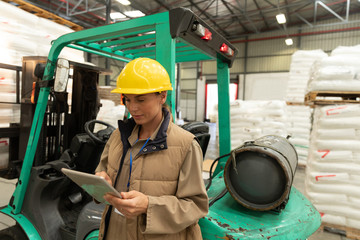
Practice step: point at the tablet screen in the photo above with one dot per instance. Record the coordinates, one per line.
(94, 185)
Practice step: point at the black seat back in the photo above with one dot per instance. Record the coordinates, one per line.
(201, 132)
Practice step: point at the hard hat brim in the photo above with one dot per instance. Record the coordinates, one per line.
(140, 91)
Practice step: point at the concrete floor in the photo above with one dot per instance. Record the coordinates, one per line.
(7, 187)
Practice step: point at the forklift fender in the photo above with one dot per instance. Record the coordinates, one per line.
(94, 235)
(88, 223)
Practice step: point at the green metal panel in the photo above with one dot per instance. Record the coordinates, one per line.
(25, 224)
(112, 56)
(191, 58)
(139, 50)
(166, 56)
(134, 44)
(128, 40)
(189, 51)
(146, 54)
(223, 76)
(93, 235)
(128, 32)
(185, 49)
(181, 44)
(227, 219)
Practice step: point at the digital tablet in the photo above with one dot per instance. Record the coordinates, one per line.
(96, 186)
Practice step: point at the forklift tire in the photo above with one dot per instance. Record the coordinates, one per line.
(13, 233)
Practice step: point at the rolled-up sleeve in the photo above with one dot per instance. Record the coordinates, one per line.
(171, 214)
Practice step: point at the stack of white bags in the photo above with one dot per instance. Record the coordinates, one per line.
(253, 119)
(109, 113)
(300, 69)
(338, 72)
(333, 168)
(299, 125)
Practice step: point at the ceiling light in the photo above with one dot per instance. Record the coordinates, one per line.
(281, 19)
(124, 2)
(135, 13)
(289, 41)
(117, 15)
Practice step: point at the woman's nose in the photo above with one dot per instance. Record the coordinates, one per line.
(132, 106)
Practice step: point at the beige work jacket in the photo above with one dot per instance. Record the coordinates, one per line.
(170, 175)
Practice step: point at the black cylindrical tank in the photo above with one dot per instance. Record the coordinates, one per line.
(260, 173)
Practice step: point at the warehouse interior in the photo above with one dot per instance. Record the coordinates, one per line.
(294, 72)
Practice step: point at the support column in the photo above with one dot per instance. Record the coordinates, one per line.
(165, 54)
(223, 76)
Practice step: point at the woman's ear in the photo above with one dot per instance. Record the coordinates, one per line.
(163, 95)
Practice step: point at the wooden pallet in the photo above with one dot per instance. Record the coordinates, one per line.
(295, 103)
(349, 232)
(327, 97)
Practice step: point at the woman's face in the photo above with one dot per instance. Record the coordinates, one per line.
(145, 108)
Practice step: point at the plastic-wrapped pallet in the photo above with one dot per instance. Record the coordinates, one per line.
(300, 69)
(333, 167)
(252, 119)
(299, 119)
(338, 72)
(24, 34)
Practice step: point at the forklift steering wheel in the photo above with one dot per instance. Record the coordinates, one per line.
(101, 136)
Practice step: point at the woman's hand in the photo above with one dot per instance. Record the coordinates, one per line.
(105, 176)
(131, 204)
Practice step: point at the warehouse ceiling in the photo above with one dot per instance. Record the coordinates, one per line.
(234, 19)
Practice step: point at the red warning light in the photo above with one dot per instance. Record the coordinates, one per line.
(227, 50)
(202, 31)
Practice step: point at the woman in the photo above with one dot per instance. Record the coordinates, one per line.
(154, 164)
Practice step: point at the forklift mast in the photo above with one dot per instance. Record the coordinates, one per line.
(64, 117)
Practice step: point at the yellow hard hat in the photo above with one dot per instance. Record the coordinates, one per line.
(141, 76)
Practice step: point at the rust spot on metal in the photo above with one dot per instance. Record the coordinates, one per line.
(230, 237)
(227, 226)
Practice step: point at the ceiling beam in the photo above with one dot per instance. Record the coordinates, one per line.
(210, 3)
(261, 14)
(161, 3)
(139, 6)
(244, 13)
(236, 17)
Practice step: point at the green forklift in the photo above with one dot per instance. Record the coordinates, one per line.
(47, 205)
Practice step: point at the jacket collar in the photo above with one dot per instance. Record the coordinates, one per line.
(126, 127)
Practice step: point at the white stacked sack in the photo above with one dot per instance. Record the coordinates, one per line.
(339, 72)
(9, 113)
(299, 120)
(109, 113)
(253, 119)
(300, 69)
(333, 167)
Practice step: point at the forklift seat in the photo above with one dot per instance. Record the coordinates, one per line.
(201, 132)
